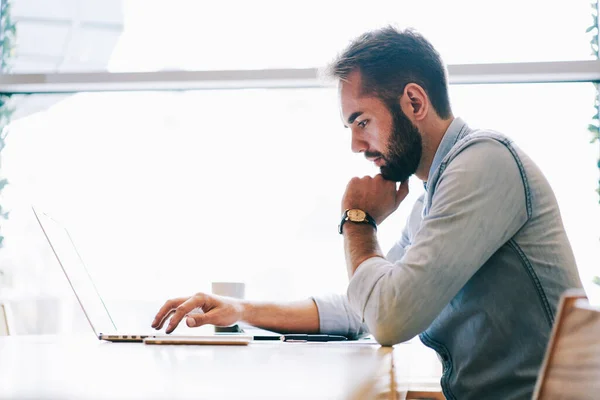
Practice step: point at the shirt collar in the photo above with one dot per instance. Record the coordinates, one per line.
(448, 141)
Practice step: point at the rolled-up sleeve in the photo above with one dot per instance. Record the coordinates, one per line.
(413, 222)
(479, 203)
(337, 318)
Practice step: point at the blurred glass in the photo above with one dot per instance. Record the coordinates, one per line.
(150, 35)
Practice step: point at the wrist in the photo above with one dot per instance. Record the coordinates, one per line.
(245, 310)
(352, 228)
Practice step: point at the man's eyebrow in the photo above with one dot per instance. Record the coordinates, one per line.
(353, 117)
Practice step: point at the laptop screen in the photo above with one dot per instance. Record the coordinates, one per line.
(72, 265)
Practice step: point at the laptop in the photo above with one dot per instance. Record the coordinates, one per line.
(97, 313)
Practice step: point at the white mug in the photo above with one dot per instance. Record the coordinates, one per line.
(229, 289)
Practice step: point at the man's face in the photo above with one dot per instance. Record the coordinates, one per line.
(381, 131)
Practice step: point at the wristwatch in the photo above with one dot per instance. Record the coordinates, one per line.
(357, 216)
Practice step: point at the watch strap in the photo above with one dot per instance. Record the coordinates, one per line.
(368, 220)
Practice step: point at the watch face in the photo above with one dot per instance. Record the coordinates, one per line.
(356, 215)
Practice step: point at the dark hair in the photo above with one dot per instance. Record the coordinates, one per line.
(388, 59)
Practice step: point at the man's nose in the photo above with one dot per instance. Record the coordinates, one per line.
(358, 144)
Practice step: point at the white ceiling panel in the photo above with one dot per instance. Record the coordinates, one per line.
(24, 65)
(102, 11)
(41, 39)
(43, 9)
(90, 49)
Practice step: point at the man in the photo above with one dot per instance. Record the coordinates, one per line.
(483, 259)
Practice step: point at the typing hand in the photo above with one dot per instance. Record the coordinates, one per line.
(216, 310)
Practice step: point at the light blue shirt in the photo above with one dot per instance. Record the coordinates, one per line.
(477, 273)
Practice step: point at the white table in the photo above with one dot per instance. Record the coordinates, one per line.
(50, 367)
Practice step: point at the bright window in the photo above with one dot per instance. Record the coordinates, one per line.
(165, 192)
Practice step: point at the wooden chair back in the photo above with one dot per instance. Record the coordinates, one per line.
(571, 367)
(4, 331)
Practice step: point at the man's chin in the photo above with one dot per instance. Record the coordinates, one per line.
(395, 176)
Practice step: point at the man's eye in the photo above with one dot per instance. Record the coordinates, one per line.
(363, 123)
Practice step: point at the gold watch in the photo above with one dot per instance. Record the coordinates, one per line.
(357, 216)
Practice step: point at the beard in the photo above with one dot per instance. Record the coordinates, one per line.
(405, 147)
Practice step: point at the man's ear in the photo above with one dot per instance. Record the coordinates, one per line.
(416, 102)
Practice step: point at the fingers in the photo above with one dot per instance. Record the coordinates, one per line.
(166, 310)
(402, 192)
(165, 318)
(183, 309)
(196, 319)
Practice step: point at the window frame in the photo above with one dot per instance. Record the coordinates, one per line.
(526, 72)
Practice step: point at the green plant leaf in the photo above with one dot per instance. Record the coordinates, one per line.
(3, 182)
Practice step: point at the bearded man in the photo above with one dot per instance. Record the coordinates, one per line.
(478, 269)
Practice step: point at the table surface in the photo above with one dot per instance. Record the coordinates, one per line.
(49, 367)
